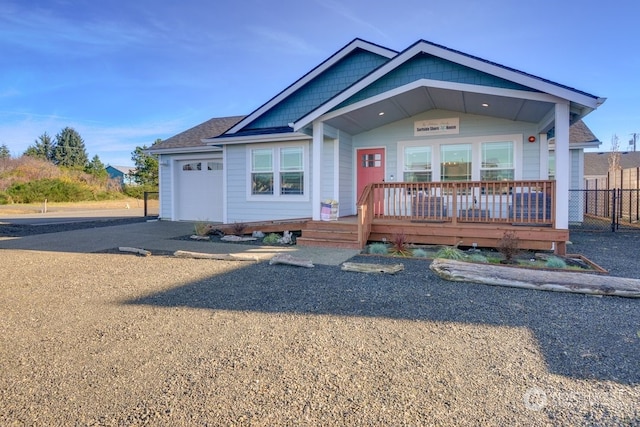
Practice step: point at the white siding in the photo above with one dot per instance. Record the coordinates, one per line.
(166, 187)
(347, 193)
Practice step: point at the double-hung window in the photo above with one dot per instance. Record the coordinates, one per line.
(417, 164)
(291, 171)
(262, 179)
(277, 171)
(497, 161)
(455, 162)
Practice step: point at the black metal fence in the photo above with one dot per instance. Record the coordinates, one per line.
(151, 203)
(605, 210)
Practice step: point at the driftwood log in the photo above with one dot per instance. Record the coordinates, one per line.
(134, 250)
(372, 268)
(198, 237)
(219, 257)
(290, 260)
(559, 281)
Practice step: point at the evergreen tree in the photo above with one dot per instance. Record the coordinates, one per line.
(69, 150)
(4, 152)
(42, 148)
(146, 167)
(96, 168)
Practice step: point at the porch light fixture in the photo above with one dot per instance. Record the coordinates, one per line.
(381, 113)
(485, 105)
(532, 138)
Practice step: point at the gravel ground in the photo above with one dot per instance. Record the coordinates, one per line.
(117, 339)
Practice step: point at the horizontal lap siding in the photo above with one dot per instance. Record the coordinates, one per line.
(347, 184)
(166, 186)
(239, 209)
(470, 126)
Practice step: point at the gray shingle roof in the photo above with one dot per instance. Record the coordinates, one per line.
(193, 137)
(579, 132)
(597, 164)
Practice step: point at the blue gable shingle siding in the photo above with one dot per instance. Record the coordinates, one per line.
(341, 75)
(425, 66)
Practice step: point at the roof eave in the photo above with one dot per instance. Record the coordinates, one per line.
(256, 139)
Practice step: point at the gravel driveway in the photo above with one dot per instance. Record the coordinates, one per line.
(115, 339)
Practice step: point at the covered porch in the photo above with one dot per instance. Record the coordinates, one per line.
(448, 213)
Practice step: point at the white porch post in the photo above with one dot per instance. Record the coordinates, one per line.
(563, 164)
(316, 168)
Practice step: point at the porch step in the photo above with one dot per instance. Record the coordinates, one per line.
(332, 234)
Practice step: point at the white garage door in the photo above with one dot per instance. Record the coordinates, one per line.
(199, 190)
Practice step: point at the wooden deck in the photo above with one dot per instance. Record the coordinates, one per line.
(458, 213)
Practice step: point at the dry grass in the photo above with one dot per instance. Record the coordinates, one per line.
(31, 208)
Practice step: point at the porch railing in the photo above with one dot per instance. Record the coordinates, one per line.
(504, 202)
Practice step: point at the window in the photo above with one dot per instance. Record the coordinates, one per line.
(214, 166)
(192, 166)
(277, 171)
(291, 171)
(262, 171)
(417, 164)
(552, 165)
(455, 162)
(497, 161)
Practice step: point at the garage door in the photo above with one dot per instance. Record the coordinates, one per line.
(199, 190)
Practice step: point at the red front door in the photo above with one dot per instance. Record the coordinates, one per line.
(370, 169)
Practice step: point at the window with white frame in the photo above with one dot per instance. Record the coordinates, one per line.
(456, 162)
(262, 179)
(417, 164)
(291, 170)
(277, 171)
(497, 161)
(552, 165)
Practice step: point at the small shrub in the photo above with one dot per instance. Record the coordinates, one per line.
(237, 229)
(271, 239)
(555, 262)
(202, 228)
(400, 245)
(508, 246)
(419, 253)
(478, 258)
(451, 252)
(378, 249)
(5, 199)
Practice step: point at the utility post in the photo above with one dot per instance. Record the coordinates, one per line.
(634, 140)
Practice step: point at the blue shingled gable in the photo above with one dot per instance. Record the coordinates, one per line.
(425, 66)
(343, 74)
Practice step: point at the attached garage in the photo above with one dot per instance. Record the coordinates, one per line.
(199, 194)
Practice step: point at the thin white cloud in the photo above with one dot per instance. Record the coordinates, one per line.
(341, 9)
(283, 41)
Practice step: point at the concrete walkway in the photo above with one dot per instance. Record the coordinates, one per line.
(162, 237)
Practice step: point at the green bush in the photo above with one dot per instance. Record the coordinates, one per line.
(54, 190)
(271, 239)
(137, 191)
(378, 249)
(478, 258)
(419, 253)
(555, 262)
(5, 199)
(451, 252)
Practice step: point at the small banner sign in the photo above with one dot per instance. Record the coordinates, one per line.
(437, 127)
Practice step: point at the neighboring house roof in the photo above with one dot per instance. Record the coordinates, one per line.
(597, 164)
(125, 170)
(192, 138)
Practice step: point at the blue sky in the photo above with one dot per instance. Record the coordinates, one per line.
(124, 73)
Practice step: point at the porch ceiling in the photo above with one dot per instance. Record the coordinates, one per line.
(421, 99)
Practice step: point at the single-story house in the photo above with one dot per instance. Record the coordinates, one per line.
(121, 173)
(596, 165)
(429, 141)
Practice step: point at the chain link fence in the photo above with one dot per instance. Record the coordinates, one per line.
(605, 210)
